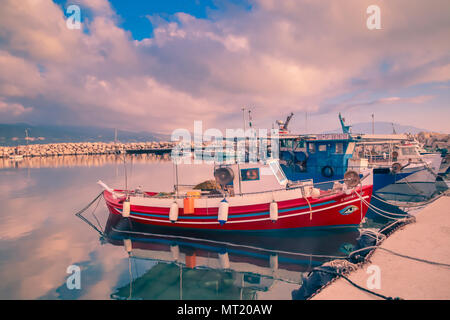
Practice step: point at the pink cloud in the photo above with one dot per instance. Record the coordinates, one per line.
(13, 109)
(290, 55)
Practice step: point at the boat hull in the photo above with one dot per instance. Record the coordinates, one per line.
(412, 184)
(339, 210)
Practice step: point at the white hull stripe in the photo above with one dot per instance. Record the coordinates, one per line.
(242, 221)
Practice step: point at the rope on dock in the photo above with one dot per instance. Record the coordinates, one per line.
(379, 236)
(340, 268)
(383, 233)
(340, 274)
(401, 255)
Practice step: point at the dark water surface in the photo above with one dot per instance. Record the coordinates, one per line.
(40, 237)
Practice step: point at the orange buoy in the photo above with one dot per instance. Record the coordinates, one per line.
(189, 201)
(188, 205)
(191, 261)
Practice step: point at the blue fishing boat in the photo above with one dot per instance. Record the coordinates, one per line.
(401, 172)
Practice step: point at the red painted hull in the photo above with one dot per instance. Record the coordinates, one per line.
(329, 211)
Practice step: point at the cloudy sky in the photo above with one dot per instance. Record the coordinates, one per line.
(160, 65)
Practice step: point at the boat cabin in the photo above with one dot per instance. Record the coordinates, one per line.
(323, 155)
(248, 178)
(379, 153)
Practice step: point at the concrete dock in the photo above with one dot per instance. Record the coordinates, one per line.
(429, 239)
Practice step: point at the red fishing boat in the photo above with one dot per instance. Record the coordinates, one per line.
(249, 197)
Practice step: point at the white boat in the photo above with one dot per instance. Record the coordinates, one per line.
(15, 157)
(413, 175)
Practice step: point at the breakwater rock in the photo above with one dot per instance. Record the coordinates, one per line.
(434, 140)
(83, 148)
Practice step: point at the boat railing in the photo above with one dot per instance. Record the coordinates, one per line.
(214, 194)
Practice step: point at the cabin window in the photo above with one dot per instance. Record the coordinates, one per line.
(287, 143)
(408, 151)
(250, 174)
(339, 147)
(322, 147)
(279, 174)
(299, 144)
(312, 148)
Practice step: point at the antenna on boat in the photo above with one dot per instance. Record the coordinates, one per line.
(126, 177)
(243, 117)
(26, 136)
(393, 128)
(373, 123)
(176, 179)
(306, 122)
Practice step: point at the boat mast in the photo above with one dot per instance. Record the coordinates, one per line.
(306, 122)
(26, 136)
(345, 129)
(373, 123)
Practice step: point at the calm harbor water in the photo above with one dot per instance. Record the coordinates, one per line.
(40, 237)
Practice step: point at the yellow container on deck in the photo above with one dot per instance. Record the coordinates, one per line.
(194, 194)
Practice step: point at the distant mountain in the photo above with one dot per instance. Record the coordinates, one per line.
(14, 134)
(380, 128)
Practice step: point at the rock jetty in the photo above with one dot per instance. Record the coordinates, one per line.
(83, 148)
(434, 140)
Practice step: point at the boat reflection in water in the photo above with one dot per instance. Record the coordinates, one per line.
(206, 265)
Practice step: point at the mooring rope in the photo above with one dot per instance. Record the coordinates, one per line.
(416, 205)
(89, 204)
(412, 187)
(378, 210)
(400, 255)
(339, 274)
(95, 217)
(80, 214)
(427, 167)
(378, 236)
